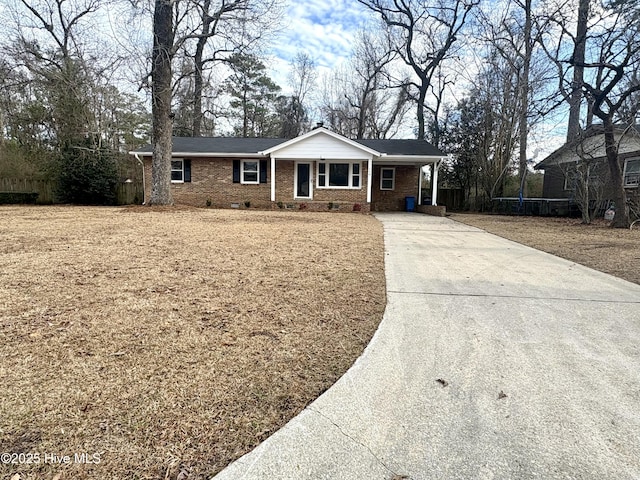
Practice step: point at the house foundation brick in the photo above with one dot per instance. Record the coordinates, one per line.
(434, 210)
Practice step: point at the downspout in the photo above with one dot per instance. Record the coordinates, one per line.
(144, 187)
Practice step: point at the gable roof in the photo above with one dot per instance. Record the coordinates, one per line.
(322, 131)
(572, 146)
(237, 146)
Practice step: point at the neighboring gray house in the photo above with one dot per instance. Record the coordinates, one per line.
(560, 166)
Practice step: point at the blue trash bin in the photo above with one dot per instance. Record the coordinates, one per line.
(410, 204)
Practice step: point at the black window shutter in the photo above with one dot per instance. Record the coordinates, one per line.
(187, 170)
(236, 171)
(263, 171)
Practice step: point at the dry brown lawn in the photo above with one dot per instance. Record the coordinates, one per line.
(170, 342)
(613, 251)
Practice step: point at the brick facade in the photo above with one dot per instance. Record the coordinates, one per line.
(340, 199)
(212, 184)
(406, 185)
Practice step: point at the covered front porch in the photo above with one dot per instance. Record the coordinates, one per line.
(362, 185)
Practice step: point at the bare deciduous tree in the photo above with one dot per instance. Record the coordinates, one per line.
(224, 27)
(586, 178)
(515, 35)
(302, 80)
(177, 24)
(424, 33)
(364, 99)
(161, 78)
(579, 50)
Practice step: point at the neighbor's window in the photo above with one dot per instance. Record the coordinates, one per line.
(632, 172)
(569, 180)
(585, 174)
(250, 171)
(387, 178)
(177, 171)
(339, 175)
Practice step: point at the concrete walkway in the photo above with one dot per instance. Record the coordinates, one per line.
(493, 361)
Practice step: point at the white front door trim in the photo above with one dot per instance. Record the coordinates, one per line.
(295, 180)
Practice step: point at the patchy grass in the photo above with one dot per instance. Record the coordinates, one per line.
(613, 251)
(172, 341)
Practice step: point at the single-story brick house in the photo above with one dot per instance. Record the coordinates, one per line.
(317, 170)
(560, 166)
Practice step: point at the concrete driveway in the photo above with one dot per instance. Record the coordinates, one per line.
(493, 361)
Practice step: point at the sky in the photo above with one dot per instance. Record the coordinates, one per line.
(323, 29)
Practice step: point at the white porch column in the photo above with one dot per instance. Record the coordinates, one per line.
(369, 178)
(273, 179)
(420, 175)
(434, 184)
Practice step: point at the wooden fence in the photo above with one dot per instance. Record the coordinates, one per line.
(44, 188)
(127, 193)
(452, 198)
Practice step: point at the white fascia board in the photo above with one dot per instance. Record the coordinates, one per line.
(320, 158)
(208, 155)
(318, 131)
(407, 160)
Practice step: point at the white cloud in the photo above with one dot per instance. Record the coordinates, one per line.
(320, 28)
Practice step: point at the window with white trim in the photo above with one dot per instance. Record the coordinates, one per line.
(387, 178)
(339, 174)
(177, 170)
(250, 171)
(632, 172)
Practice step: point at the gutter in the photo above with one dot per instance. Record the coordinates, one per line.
(209, 155)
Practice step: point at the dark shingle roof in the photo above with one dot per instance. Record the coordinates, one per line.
(220, 144)
(235, 145)
(403, 147)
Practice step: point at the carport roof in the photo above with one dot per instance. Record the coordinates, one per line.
(403, 147)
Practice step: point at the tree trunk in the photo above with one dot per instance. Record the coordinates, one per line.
(621, 219)
(198, 64)
(575, 101)
(161, 103)
(420, 113)
(197, 94)
(524, 98)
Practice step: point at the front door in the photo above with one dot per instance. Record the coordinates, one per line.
(302, 180)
